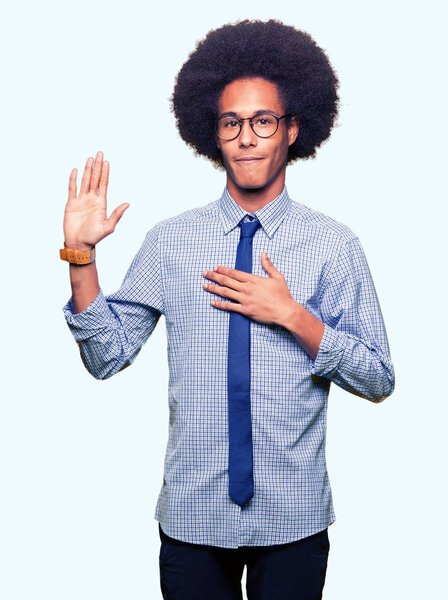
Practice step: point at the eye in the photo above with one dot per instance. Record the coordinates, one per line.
(229, 123)
(264, 120)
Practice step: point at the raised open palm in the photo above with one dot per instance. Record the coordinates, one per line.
(85, 217)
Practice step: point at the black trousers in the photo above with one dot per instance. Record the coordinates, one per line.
(294, 571)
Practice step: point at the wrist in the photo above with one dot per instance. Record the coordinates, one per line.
(78, 246)
(291, 315)
(307, 329)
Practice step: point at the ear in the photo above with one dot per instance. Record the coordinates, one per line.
(293, 130)
(218, 141)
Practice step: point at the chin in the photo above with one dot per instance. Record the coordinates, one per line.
(250, 183)
(250, 186)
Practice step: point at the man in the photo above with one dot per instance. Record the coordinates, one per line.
(266, 301)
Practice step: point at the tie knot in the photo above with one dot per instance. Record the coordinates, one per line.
(249, 228)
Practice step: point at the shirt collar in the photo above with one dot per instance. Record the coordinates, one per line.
(270, 215)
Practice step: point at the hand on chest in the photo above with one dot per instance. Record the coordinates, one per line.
(186, 260)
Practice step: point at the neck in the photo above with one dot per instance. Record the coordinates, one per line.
(252, 199)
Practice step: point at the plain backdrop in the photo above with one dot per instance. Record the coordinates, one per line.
(81, 461)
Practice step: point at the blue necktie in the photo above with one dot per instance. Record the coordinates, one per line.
(241, 485)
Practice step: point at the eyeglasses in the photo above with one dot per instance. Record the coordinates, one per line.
(263, 125)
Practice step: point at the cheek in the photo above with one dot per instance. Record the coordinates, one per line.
(278, 154)
(282, 149)
(226, 152)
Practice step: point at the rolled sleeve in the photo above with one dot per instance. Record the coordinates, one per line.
(111, 331)
(91, 319)
(354, 351)
(330, 352)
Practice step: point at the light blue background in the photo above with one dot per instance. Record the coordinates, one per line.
(82, 460)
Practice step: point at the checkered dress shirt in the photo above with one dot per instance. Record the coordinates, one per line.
(326, 271)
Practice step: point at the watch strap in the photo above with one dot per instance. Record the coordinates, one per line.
(77, 257)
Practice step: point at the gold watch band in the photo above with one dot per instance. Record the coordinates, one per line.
(77, 257)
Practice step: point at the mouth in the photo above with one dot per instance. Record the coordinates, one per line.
(248, 159)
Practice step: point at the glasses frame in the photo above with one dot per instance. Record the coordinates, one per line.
(240, 122)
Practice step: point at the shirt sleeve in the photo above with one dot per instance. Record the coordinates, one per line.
(354, 351)
(111, 331)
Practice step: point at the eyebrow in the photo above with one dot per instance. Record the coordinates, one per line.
(259, 112)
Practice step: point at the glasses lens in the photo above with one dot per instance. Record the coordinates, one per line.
(264, 125)
(228, 128)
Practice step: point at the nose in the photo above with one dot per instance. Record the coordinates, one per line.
(247, 137)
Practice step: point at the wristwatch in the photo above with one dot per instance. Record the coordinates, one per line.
(77, 257)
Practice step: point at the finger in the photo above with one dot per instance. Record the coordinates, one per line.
(225, 292)
(228, 306)
(224, 280)
(72, 185)
(104, 179)
(96, 172)
(235, 273)
(86, 176)
(116, 215)
(268, 266)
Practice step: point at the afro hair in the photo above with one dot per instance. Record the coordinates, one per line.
(279, 53)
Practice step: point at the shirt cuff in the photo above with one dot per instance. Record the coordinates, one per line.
(330, 352)
(90, 320)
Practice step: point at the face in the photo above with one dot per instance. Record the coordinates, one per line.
(267, 156)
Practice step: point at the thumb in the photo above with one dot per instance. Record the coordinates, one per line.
(268, 266)
(117, 214)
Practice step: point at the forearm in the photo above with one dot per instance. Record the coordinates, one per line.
(357, 364)
(353, 364)
(110, 330)
(305, 328)
(85, 285)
